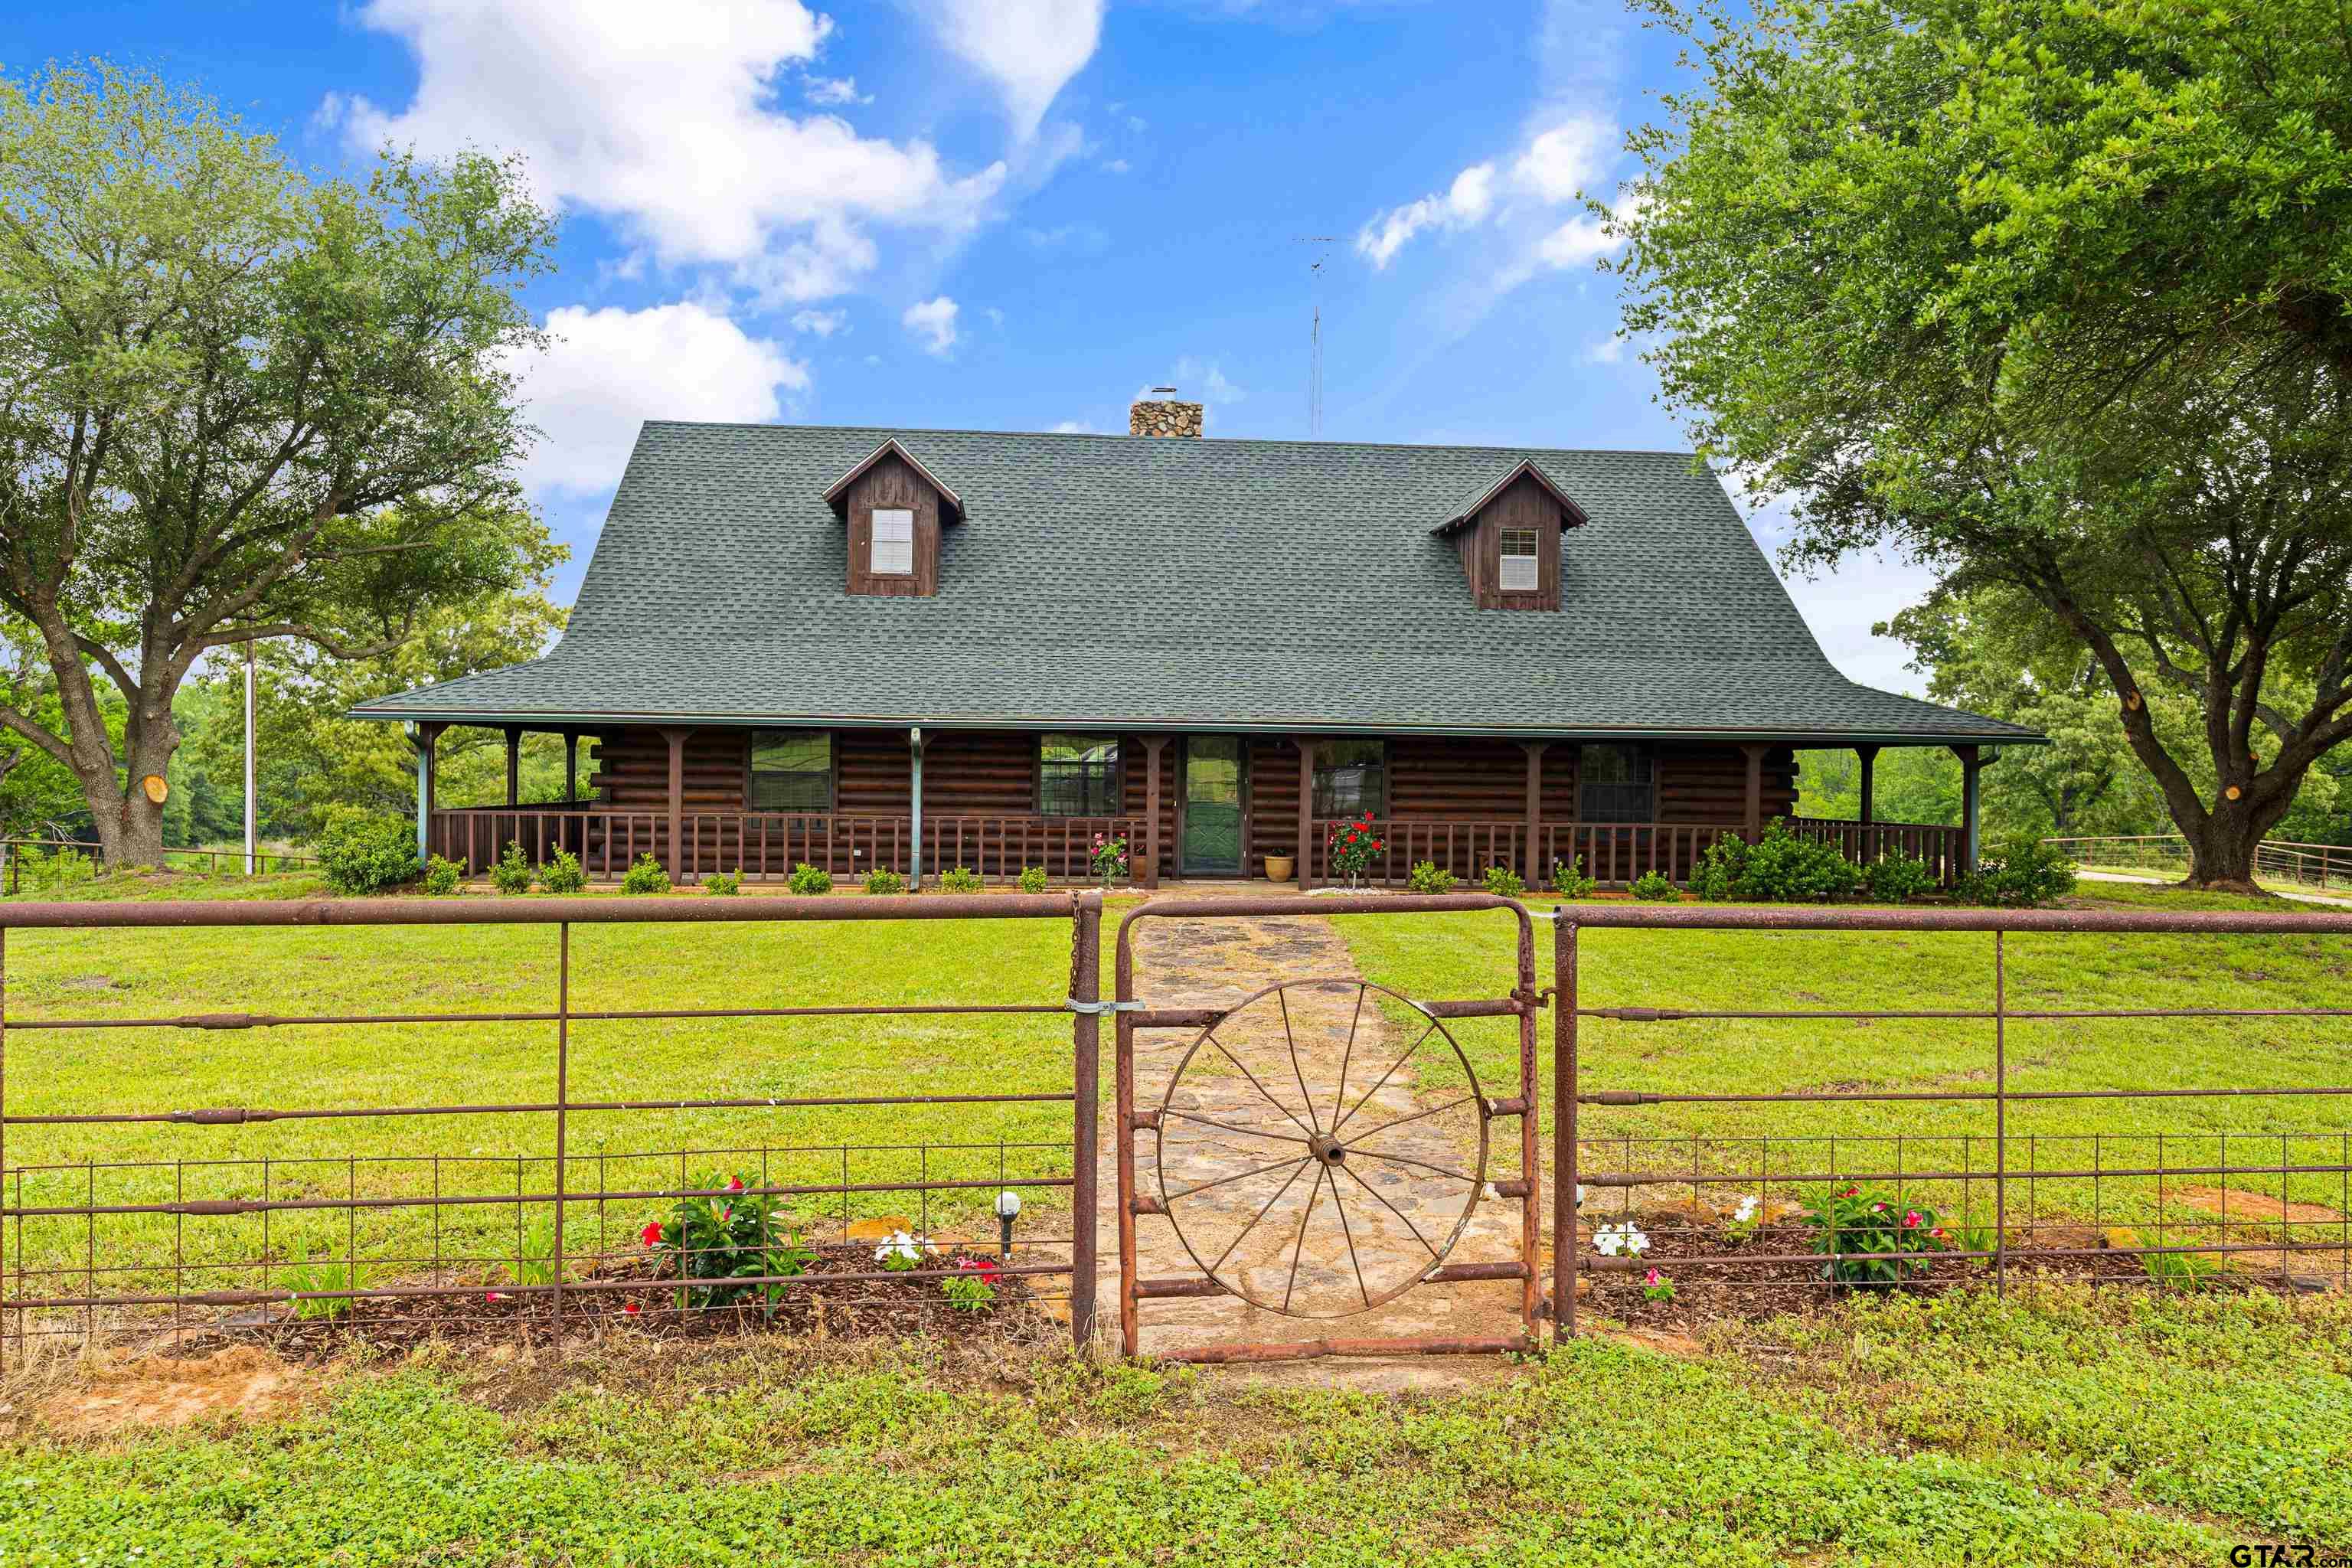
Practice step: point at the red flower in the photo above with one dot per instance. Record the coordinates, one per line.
(1937, 1232)
(651, 1235)
(736, 1186)
(983, 1267)
(630, 1307)
(1850, 1191)
(1911, 1219)
(495, 1296)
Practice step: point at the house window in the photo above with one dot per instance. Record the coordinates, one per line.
(1078, 775)
(1616, 783)
(792, 770)
(1519, 573)
(894, 543)
(1351, 778)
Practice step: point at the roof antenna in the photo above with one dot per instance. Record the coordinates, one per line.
(1315, 332)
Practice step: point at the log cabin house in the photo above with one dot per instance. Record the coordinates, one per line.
(920, 649)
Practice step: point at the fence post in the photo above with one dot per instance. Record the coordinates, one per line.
(1563, 1128)
(2000, 1118)
(562, 1103)
(1086, 1037)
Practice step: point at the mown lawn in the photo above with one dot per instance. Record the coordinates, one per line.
(2125, 1432)
(1471, 955)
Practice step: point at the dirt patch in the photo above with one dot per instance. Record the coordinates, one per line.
(242, 1382)
(2254, 1207)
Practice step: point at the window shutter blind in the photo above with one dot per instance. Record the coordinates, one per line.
(894, 543)
(1518, 574)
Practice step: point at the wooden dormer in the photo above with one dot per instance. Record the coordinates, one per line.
(894, 509)
(1508, 537)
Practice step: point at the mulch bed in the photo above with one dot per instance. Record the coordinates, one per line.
(488, 1308)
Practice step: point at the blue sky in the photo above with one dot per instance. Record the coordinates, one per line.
(1014, 213)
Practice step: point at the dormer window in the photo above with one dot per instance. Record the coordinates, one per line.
(894, 543)
(1521, 568)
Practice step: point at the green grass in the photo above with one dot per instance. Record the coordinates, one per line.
(1467, 955)
(2118, 1433)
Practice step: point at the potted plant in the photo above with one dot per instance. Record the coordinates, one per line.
(1278, 867)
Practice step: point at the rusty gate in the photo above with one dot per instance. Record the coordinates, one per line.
(1295, 1098)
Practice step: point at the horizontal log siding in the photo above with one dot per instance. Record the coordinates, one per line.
(1709, 783)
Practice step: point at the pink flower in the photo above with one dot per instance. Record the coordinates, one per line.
(1937, 1232)
(1911, 1219)
(1651, 1279)
(495, 1296)
(736, 1186)
(1878, 1208)
(1850, 1191)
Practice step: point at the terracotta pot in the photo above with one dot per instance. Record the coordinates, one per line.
(1278, 867)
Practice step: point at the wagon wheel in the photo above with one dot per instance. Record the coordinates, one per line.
(1320, 1148)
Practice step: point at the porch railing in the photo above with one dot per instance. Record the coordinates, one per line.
(768, 844)
(1618, 852)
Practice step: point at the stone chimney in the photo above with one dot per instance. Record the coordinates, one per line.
(1153, 416)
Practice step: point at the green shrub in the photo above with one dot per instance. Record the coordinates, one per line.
(1782, 868)
(1032, 878)
(512, 874)
(305, 1273)
(564, 873)
(808, 878)
(737, 1236)
(726, 884)
(1716, 874)
(646, 877)
(1504, 882)
(1657, 888)
(2025, 874)
(359, 853)
(961, 880)
(1569, 880)
(1429, 877)
(877, 880)
(442, 877)
(1889, 1238)
(1897, 877)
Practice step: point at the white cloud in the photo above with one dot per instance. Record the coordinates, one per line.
(1074, 428)
(1030, 48)
(933, 323)
(1195, 381)
(833, 91)
(1115, 166)
(820, 323)
(1609, 350)
(1558, 162)
(663, 119)
(995, 317)
(606, 371)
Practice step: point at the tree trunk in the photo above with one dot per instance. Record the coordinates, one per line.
(2221, 843)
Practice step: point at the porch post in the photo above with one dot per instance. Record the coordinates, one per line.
(514, 764)
(1755, 790)
(915, 862)
(571, 766)
(1972, 763)
(676, 739)
(1305, 744)
(1869, 812)
(1534, 867)
(426, 736)
(1152, 746)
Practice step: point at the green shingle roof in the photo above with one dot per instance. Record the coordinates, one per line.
(1181, 583)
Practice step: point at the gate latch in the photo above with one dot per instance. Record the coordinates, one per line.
(1099, 1008)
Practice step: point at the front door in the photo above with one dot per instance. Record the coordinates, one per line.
(1212, 805)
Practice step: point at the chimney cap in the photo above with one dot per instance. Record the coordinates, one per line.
(1163, 389)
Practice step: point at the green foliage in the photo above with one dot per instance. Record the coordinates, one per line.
(1505, 883)
(726, 884)
(564, 873)
(1896, 877)
(512, 874)
(1108, 860)
(1032, 878)
(2023, 875)
(735, 1235)
(360, 853)
(1655, 887)
(535, 1261)
(443, 876)
(1875, 1242)
(808, 878)
(973, 1289)
(1429, 877)
(1569, 880)
(961, 880)
(1351, 846)
(2181, 1270)
(1779, 867)
(878, 880)
(307, 1273)
(52, 870)
(296, 395)
(646, 875)
(1983, 304)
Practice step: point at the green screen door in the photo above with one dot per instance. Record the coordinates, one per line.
(1213, 803)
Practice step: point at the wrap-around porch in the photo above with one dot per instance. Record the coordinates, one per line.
(710, 799)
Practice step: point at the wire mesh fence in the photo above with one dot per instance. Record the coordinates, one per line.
(691, 1207)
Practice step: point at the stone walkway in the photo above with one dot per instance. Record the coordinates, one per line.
(1316, 1153)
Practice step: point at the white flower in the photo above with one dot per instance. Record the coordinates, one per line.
(1747, 1210)
(1579, 1194)
(899, 1245)
(1624, 1240)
